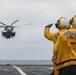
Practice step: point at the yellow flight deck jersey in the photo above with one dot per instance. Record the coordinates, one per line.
(65, 48)
(52, 37)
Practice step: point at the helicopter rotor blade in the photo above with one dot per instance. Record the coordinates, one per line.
(25, 24)
(14, 22)
(19, 27)
(28, 24)
(3, 24)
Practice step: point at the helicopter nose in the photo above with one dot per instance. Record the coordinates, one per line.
(8, 30)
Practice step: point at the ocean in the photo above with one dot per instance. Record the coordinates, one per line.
(26, 62)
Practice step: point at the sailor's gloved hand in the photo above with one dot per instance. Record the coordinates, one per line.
(49, 25)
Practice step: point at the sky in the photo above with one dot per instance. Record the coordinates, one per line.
(29, 42)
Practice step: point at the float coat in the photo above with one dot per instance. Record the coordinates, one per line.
(65, 48)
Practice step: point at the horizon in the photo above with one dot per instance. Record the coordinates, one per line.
(27, 62)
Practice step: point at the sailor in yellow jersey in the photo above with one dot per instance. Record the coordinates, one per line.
(62, 25)
(65, 49)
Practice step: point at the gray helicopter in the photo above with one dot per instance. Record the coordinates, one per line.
(8, 30)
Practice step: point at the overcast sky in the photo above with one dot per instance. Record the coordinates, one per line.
(29, 42)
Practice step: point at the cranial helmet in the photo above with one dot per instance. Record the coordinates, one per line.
(62, 23)
(73, 21)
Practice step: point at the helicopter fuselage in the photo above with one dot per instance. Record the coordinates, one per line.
(8, 33)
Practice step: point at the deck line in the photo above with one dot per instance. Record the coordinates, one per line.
(21, 72)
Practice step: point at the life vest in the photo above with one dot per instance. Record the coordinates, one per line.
(67, 49)
(70, 38)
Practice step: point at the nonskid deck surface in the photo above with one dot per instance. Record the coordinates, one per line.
(25, 69)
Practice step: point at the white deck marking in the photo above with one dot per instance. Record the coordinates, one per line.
(51, 68)
(21, 72)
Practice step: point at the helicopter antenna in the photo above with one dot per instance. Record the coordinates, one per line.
(14, 22)
(3, 24)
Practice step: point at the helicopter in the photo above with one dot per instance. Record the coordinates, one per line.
(8, 30)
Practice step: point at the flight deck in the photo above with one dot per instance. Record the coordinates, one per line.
(25, 69)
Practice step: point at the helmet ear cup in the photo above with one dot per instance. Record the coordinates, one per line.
(56, 25)
(71, 20)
